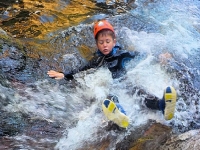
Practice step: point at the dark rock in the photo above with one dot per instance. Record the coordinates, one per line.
(12, 57)
(12, 123)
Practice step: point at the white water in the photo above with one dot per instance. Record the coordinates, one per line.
(178, 35)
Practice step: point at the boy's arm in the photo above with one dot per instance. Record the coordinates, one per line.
(126, 56)
(93, 63)
(60, 75)
(132, 54)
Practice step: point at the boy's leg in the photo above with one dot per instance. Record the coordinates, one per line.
(152, 102)
(166, 104)
(113, 98)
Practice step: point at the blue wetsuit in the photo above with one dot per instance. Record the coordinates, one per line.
(115, 62)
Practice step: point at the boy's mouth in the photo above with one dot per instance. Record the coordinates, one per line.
(105, 51)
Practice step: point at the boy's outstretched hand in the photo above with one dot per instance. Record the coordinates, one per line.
(55, 74)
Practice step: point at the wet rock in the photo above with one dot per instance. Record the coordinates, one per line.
(17, 62)
(131, 4)
(188, 140)
(116, 6)
(5, 96)
(41, 128)
(11, 123)
(2, 32)
(152, 136)
(148, 137)
(12, 58)
(3, 80)
(35, 130)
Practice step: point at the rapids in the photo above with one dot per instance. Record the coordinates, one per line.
(165, 32)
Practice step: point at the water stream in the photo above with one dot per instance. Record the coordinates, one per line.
(74, 108)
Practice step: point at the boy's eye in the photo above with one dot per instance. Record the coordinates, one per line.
(107, 41)
(101, 42)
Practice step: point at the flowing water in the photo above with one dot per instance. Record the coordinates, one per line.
(171, 57)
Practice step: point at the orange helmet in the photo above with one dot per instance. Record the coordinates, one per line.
(100, 25)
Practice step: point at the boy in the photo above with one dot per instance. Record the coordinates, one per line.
(114, 58)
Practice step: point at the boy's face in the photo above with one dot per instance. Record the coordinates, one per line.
(105, 43)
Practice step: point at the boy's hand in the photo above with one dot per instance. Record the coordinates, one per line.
(55, 74)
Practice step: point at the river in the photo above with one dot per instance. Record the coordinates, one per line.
(68, 116)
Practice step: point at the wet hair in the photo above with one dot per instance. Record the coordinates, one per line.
(105, 32)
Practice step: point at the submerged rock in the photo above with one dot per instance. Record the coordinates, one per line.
(12, 123)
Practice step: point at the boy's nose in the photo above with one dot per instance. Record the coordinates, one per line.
(104, 44)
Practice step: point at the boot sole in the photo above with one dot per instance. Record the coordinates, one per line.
(113, 114)
(170, 97)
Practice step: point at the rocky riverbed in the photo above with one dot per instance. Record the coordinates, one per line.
(37, 112)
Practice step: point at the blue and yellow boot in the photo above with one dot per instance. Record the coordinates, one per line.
(114, 98)
(115, 112)
(169, 98)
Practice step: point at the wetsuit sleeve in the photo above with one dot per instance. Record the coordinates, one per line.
(133, 54)
(127, 56)
(68, 76)
(93, 63)
(123, 59)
